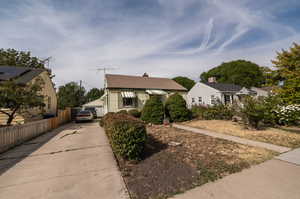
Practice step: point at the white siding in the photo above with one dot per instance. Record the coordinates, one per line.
(260, 92)
(203, 91)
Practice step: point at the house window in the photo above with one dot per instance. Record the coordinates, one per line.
(227, 99)
(128, 102)
(213, 99)
(193, 100)
(200, 100)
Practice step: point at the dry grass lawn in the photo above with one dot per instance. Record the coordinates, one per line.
(288, 137)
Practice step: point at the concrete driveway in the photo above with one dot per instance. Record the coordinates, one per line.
(74, 161)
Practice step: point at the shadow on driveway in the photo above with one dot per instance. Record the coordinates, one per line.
(11, 157)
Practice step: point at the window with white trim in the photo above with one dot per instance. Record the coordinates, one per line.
(213, 99)
(128, 102)
(200, 100)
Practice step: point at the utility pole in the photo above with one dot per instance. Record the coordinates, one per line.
(79, 93)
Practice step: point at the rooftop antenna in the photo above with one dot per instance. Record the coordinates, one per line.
(46, 62)
(104, 69)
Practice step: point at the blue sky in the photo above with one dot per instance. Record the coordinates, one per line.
(164, 38)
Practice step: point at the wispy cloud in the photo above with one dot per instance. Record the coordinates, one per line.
(161, 37)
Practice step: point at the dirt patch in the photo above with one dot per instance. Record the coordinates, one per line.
(167, 170)
(288, 137)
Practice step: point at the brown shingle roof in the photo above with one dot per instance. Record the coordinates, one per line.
(137, 82)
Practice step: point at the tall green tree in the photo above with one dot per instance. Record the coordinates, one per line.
(185, 82)
(15, 97)
(70, 95)
(287, 64)
(94, 94)
(240, 72)
(12, 57)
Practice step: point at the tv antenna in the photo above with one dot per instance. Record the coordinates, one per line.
(47, 62)
(105, 69)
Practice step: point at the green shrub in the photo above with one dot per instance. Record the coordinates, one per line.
(153, 111)
(252, 112)
(216, 112)
(126, 134)
(176, 109)
(271, 104)
(135, 113)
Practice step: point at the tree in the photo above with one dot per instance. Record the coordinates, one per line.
(94, 94)
(176, 109)
(70, 95)
(287, 64)
(153, 111)
(240, 72)
(12, 57)
(185, 82)
(16, 97)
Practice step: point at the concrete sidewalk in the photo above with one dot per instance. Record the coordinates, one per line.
(274, 179)
(291, 157)
(74, 161)
(272, 147)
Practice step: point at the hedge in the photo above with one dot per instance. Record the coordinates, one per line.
(135, 113)
(153, 111)
(176, 109)
(126, 134)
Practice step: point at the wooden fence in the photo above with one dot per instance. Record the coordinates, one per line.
(14, 135)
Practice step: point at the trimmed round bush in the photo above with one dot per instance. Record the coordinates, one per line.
(135, 113)
(176, 109)
(126, 134)
(153, 111)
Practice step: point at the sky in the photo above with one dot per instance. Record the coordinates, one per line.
(165, 38)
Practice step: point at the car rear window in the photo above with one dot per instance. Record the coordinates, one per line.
(84, 112)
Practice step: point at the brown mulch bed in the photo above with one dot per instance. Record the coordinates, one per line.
(166, 170)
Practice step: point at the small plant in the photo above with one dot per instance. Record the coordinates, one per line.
(135, 113)
(153, 111)
(176, 109)
(252, 112)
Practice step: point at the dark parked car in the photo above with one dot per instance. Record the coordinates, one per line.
(93, 110)
(84, 115)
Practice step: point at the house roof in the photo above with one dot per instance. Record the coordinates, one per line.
(97, 102)
(224, 87)
(139, 82)
(22, 75)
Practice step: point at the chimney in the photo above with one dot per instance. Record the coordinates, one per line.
(212, 80)
(145, 75)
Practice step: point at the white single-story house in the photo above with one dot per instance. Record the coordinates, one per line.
(124, 92)
(209, 93)
(97, 105)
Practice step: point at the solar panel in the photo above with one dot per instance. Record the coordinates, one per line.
(9, 72)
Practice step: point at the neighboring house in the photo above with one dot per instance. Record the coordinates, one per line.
(210, 93)
(123, 92)
(97, 105)
(262, 92)
(23, 76)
